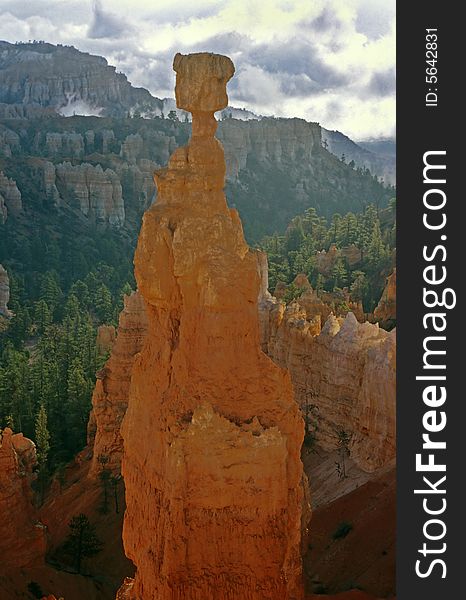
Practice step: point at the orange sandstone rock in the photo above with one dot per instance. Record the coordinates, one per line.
(385, 311)
(110, 397)
(106, 335)
(22, 536)
(212, 434)
(345, 373)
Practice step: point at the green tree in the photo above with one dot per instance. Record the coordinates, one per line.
(78, 405)
(358, 286)
(43, 448)
(42, 315)
(42, 437)
(104, 304)
(82, 541)
(50, 290)
(339, 274)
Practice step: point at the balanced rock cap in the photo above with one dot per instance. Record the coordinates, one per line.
(201, 81)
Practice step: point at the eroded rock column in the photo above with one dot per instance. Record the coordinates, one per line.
(212, 434)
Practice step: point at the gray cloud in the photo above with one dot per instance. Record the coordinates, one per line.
(383, 83)
(183, 12)
(374, 18)
(297, 58)
(107, 25)
(75, 10)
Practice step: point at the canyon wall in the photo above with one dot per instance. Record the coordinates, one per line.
(96, 192)
(212, 435)
(64, 78)
(278, 141)
(343, 374)
(110, 397)
(22, 535)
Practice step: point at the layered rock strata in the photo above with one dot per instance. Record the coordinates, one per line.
(212, 435)
(96, 192)
(22, 536)
(343, 373)
(110, 397)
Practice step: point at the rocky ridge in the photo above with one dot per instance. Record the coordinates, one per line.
(22, 535)
(343, 375)
(110, 397)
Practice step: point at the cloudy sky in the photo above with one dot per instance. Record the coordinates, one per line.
(331, 61)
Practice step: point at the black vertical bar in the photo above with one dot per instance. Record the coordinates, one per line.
(420, 129)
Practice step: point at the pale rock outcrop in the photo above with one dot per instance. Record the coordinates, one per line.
(385, 311)
(96, 192)
(68, 144)
(110, 397)
(325, 260)
(279, 141)
(106, 138)
(49, 181)
(22, 536)
(4, 293)
(132, 147)
(345, 371)
(212, 435)
(139, 181)
(11, 196)
(9, 142)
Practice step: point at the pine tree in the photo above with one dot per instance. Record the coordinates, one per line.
(339, 274)
(358, 287)
(78, 405)
(103, 304)
(50, 290)
(42, 315)
(42, 437)
(43, 447)
(82, 541)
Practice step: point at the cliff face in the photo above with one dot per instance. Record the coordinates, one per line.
(22, 536)
(10, 198)
(96, 192)
(344, 374)
(385, 311)
(212, 434)
(62, 77)
(278, 141)
(9, 142)
(110, 397)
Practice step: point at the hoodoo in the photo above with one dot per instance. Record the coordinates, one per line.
(212, 434)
